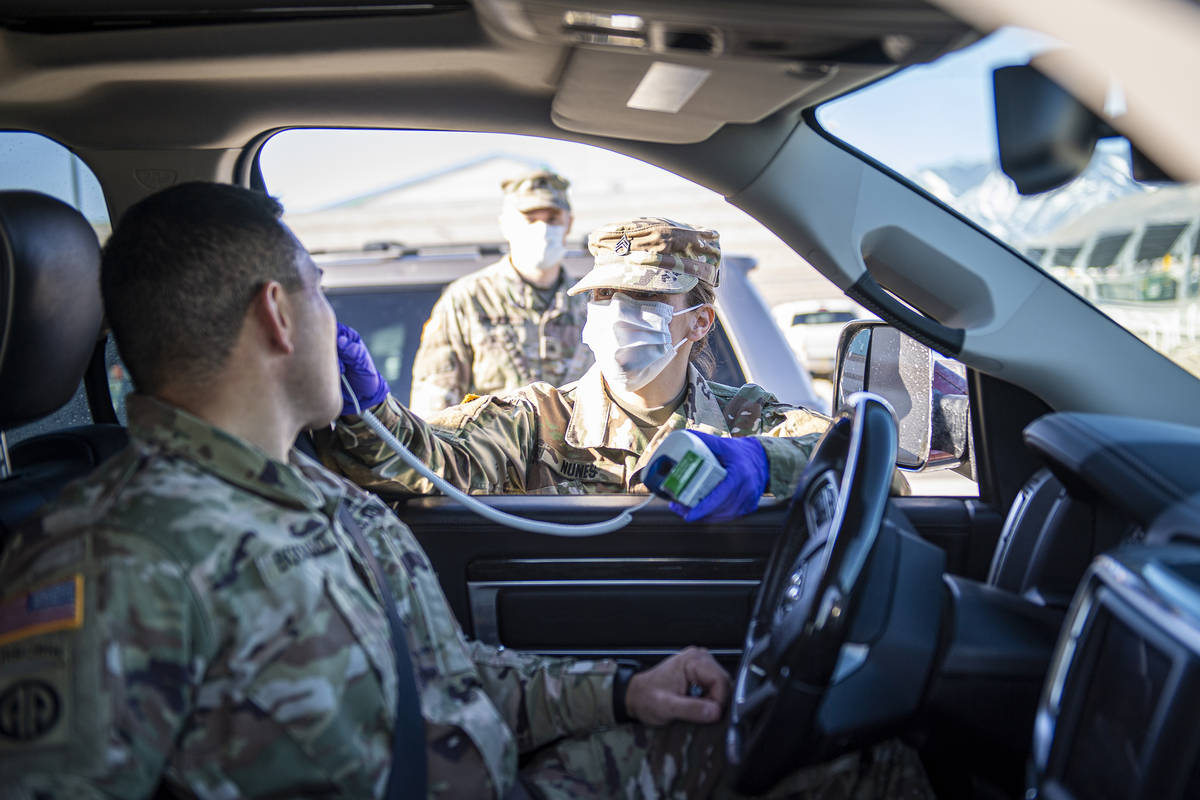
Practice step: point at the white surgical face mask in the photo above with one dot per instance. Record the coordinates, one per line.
(631, 339)
(533, 245)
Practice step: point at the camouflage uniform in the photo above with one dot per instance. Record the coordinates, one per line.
(569, 440)
(491, 330)
(688, 761)
(194, 613)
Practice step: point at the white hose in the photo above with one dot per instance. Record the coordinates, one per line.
(483, 509)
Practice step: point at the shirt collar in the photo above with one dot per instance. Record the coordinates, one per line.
(522, 294)
(699, 411)
(228, 457)
(596, 419)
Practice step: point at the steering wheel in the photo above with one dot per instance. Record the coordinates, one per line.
(806, 600)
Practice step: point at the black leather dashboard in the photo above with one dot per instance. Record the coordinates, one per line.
(1136, 466)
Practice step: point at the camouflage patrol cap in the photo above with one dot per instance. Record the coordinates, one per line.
(652, 254)
(538, 189)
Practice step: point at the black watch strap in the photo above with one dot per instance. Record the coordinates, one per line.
(625, 672)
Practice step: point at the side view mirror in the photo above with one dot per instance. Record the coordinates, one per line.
(928, 394)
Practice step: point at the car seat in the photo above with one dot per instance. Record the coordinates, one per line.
(50, 325)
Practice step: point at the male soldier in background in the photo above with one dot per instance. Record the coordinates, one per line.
(510, 324)
(209, 609)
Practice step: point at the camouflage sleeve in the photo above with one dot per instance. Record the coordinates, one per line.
(136, 664)
(484, 446)
(790, 434)
(442, 367)
(543, 699)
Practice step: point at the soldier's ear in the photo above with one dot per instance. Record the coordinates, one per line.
(706, 317)
(273, 315)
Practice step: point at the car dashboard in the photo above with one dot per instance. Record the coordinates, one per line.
(1115, 716)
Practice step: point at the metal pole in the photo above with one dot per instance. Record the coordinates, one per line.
(5, 464)
(76, 188)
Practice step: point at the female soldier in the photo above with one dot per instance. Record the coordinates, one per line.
(650, 312)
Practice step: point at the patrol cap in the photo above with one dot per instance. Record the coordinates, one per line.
(652, 254)
(538, 189)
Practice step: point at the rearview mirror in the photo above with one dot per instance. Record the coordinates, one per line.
(927, 394)
(1046, 136)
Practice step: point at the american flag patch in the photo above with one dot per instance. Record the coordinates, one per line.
(55, 607)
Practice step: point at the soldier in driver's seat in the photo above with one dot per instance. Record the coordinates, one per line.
(214, 612)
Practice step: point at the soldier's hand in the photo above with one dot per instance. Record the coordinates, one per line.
(739, 492)
(355, 362)
(689, 686)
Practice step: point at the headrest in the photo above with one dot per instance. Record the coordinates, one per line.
(50, 308)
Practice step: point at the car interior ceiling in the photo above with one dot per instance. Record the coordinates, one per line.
(191, 89)
(215, 98)
(153, 93)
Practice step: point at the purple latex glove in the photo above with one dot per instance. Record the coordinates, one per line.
(356, 364)
(746, 473)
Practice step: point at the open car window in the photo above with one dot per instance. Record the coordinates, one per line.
(392, 216)
(1129, 248)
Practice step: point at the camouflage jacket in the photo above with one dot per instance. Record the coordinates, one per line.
(192, 612)
(573, 440)
(490, 332)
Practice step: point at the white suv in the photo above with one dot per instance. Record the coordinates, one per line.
(812, 328)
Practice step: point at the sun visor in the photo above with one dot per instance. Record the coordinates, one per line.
(674, 99)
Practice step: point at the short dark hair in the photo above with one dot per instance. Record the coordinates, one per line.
(179, 272)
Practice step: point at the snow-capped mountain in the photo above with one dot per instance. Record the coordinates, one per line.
(984, 194)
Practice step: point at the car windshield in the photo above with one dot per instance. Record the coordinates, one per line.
(1128, 247)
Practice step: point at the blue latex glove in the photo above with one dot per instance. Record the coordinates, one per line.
(355, 362)
(746, 473)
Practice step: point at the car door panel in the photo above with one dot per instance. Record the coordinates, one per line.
(642, 592)
(631, 607)
(967, 529)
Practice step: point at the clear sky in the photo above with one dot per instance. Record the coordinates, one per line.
(935, 114)
(31, 161)
(307, 169)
